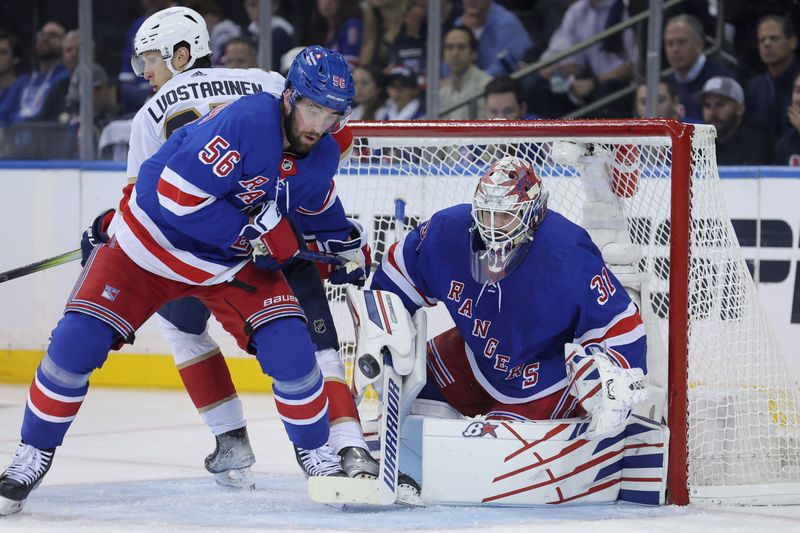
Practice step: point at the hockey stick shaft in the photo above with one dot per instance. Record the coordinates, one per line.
(321, 257)
(38, 266)
(399, 218)
(74, 255)
(389, 431)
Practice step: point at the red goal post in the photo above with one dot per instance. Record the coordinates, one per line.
(673, 168)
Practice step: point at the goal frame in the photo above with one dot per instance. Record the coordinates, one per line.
(680, 135)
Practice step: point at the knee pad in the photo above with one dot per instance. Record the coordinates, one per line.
(188, 315)
(80, 343)
(284, 350)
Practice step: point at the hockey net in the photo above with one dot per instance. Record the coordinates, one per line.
(733, 409)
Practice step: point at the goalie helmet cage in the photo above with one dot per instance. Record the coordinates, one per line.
(732, 407)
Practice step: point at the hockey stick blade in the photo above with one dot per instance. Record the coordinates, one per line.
(38, 266)
(383, 489)
(343, 490)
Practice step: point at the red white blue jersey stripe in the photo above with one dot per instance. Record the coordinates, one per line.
(274, 312)
(625, 328)
(437, 367)
(394, 267)
(145, 243)
(330, 200)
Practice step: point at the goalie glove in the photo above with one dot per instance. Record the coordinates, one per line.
(271, 234)
(358, 254)
(606, 391)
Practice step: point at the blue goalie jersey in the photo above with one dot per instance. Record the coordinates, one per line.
(515, 329)
(194, 196)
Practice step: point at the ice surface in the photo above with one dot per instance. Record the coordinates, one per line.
(133, 461)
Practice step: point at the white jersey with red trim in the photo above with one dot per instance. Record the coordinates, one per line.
(188, 96)
(515, 329)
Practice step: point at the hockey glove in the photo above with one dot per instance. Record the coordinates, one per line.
(358, 254)
(267, 262)
(606, 391)
(271, 234)
(96, 234)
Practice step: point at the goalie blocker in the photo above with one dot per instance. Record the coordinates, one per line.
(609, 457)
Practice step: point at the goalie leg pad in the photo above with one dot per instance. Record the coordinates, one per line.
(502, 463)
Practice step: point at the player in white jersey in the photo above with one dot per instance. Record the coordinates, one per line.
(168, 48)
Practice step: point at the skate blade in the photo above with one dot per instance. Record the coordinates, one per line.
(8, 507)
(238, 478)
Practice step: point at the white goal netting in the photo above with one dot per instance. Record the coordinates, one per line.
(743, 412)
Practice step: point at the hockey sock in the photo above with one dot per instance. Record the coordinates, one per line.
(206, 377)
(79, 344)
(209, 384)
(342, 411)
(285, 352)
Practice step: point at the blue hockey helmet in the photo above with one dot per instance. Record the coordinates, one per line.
(323, 76)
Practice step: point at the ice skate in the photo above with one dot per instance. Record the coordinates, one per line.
(359, 463)
(408, 491)
(27, 468)
(231, 460)
(321, 461)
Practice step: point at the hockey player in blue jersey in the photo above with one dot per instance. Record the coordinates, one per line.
(520, 281)
(169, 47)
(208, 218)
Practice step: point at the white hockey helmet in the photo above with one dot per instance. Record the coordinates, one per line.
(163, 30)
(508, 204)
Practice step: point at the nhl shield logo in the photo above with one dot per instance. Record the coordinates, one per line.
(287, 164)
(319, 325)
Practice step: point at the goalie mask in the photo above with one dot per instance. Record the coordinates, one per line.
(508, 204)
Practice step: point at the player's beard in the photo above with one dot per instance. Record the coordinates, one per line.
(297, 145)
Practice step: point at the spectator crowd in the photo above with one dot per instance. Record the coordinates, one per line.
(747, 85)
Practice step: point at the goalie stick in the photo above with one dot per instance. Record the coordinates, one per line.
(399, 217)
(368, 491)
(74, 255)
(383, 490)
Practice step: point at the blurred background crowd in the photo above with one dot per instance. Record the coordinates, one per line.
(730, 63)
